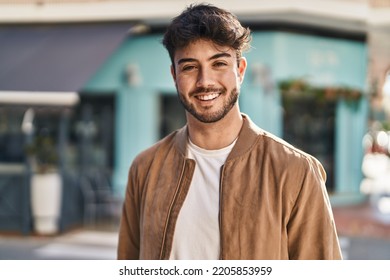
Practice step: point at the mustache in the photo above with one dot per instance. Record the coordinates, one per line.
(207, 90)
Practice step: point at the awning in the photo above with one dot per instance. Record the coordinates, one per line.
(47, 98)
(55, 58)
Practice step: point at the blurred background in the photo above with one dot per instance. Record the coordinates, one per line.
(85, 86)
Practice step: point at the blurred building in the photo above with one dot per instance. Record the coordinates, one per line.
(109, 53)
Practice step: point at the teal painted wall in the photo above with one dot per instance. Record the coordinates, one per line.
(259, 96)
(327, 61)
(274, 56)
(137, 105)
(321, 61)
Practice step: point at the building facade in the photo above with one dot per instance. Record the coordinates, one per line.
(147, 106)
(127, 101)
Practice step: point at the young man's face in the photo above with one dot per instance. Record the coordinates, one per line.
(207, 79)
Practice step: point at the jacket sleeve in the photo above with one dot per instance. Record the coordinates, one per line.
(311, 228)
(129, 230)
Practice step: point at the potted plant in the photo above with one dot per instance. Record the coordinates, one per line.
(46, 184)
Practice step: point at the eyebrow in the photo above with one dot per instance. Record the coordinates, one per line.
(216, 56)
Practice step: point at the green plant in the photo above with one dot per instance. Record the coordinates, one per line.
(43, 154)
(299, 88)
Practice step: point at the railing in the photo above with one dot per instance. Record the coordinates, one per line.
(14, 199)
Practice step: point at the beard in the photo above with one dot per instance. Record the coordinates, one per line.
(210, 117)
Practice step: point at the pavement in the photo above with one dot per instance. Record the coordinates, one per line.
(362, 220)
(363, 231)
(78, 244)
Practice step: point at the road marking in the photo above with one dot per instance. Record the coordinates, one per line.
(90, 238)
(68, 251)
(90, 245)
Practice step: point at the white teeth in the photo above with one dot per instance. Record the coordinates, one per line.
(208, 97)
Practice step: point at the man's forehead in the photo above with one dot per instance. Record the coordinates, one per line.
(204, 48)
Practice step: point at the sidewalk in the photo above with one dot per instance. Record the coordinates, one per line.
(84, 243)
(361, 221)
(364, 234)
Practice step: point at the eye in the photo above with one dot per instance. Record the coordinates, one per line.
(187, 68)
(219, 64)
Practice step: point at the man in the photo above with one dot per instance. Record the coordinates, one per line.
(220, 187)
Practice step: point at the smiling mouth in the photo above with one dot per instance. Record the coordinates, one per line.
(208, 97)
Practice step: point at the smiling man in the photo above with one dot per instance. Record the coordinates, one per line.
(220, 187)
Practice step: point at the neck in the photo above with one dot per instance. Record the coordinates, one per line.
(213, 136)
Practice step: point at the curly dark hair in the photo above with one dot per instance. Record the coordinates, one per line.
(204, 21)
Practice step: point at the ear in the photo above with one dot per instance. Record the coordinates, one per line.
(242, 68)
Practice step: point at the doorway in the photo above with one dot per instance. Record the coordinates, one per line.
(309, 124)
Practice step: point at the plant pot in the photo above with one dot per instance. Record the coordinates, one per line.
(46, 198)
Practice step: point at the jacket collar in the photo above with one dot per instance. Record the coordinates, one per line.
(246, 139)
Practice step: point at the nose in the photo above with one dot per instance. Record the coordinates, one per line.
(205, 78)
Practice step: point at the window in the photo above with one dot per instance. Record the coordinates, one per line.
(309, 124)
(172, 114)
(92, 132)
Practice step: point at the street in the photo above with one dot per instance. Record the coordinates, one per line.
(101, 245)
(77, 245)
(363, 248)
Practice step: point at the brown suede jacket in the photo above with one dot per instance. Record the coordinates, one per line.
(273, 200)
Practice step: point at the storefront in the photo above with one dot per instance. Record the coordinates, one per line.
(147, 107)
(34, 129)
(43, 67)
(130, 102)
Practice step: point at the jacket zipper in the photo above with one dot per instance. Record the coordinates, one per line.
(220, 214)
(162, 252)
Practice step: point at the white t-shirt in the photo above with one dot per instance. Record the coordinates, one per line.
(197, 228)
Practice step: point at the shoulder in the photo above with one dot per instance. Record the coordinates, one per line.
(172, 143)
(297, 173)
(148, 154)
(290, 156)
(281, 155)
